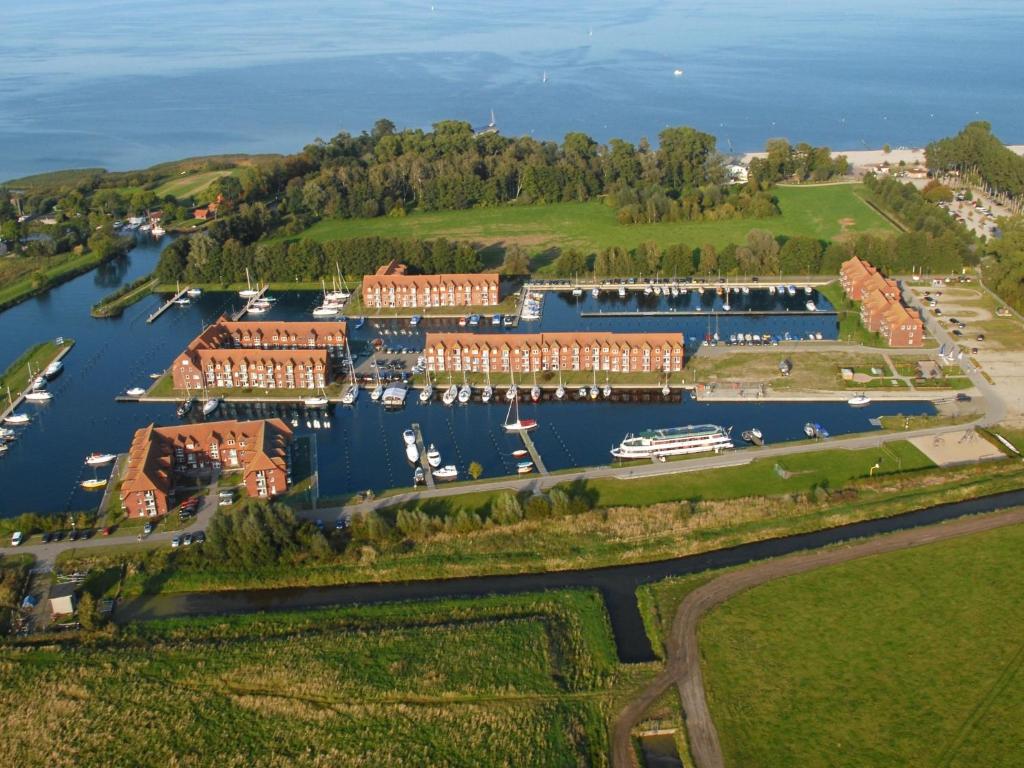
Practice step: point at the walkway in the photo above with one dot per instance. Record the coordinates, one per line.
(683, 649)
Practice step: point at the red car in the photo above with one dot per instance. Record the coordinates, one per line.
(106, 531)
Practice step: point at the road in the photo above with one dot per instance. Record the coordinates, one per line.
(682, 647)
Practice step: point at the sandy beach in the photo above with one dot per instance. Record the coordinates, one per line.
(862, 157)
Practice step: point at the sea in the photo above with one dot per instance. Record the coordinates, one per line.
(121, 85)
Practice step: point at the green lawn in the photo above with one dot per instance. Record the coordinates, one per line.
(188, 186)
(521, 680)
(909, 658)
(57, 270)
(815, 210)
(16, 377)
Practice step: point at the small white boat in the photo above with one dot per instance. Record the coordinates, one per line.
(7, 434)
(433, 457)
(319, 401)
(524, 467)
(17, 418)
(258, 308)
(409, 437)
(791, 290)
(447, 472)
(325, 310)
(511, 392)
(666, 390)
(754, 436)
(211, 405)
(426, 393)
(594, 392)
(596, 293)
(810, 306)
(535, 393)
(465, 392)
(677, 72)
(560, 392)
(450, 395)
(412, 453)
(378, 392)
(350, 395)
(606, 390)
(248, 292)
(520, 453)
(859, 401)
(99, 459)
(183, 301)
(746, 290)
(808, 290)
(487, 393)
(316, 423)
(135, 392)
(94, 483)
(726, 306)
(53, 369)
(577, 292)
(622, 291)
(39, 396)
(194, 292)
(581, 393)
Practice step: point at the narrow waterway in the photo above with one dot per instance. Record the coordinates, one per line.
(362, 447)
(617, 584)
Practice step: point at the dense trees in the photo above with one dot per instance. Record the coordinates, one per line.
(1005, 270)
(976, 151)
(261, 533)
(800, 163)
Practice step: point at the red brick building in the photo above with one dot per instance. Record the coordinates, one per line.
(159, 456)
(261, 355)
(501, 353)
(880, 308)
(392, 287)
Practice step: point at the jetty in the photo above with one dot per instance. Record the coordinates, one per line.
(249, 302)
(534, 454)
(115, 472)
(167, 304)
(65, 347)
(427, 469)
(709, 313)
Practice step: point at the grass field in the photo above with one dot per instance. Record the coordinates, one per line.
(815, 211)
(58, 269)
(38, 356)
(601, 536)
(909, 658)
(523, 680)
(188, 186)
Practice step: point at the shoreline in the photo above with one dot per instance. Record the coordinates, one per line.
(861, 157)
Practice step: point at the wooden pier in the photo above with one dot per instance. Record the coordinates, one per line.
(427, 469)
(249, 302)
(20, 398)
(710, 313)
(537, 461)
(168, 304)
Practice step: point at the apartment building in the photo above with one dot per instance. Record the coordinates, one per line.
(391, 287)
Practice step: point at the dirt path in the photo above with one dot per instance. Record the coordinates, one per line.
(683, 651)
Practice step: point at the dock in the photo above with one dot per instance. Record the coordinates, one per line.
(115, 472)
(709, 313)
(249, 302)
(427, 476)
(20, 398)
(534, 454)
(167, 304)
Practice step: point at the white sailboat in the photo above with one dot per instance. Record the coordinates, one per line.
(560, 392)
(248, 292)
(428, 390)
(465, 391)
(316, 401)
(12, 417)
(512, 391)
(488, 391)
(450, 394)
(352, 392)
(517, 424)
(594, 392)
(328, 308)
(535, 390)
(378, 391)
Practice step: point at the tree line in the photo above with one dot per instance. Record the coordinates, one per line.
(975, 150)
(803, 162)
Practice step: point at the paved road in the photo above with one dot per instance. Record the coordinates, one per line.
(683, 650)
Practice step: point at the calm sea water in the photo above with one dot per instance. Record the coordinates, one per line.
(126, 84)
(363, 447)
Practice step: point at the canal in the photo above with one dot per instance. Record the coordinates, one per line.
(362, 448)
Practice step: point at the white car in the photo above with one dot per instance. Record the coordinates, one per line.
(16, 539)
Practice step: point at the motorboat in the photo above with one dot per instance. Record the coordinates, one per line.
(412, 453)
(753, 435)
(726, 306)
(94, 483)
(596, 293)
(648, 290)
(474, 320)
(394, 397)
(7, 434)
(496, 319)
(17, 418)
(577, 292)
(135, 392)
(791, 290)
(535, 393)
(258, 307)
(746, 290)
(674, 441)
(415, 320)
(666, 390)
(316, 423)
(517, 424)
(183, 301)
(524, 467)
(512, 392)
(808, 290)
(450, 395)
(606, 390)
(447, 472)
(520, 453)
(409, 437)
(325, 310)
(465, 392)
(419, 476)
(812, 429)
(53, 369)
(622, 291)
(211, 405)
(194, 292)
(581, 393)
(433, 457)
(317, 401)
(185, 407)
(39, 396)
(859, 401)
(594, 392)
(560, 392)
(810, 306)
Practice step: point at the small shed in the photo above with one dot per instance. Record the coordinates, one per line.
(62, 598)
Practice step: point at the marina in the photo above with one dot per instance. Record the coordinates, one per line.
(357, 452)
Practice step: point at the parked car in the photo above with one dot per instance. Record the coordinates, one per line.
(199, 537)
(73, 535)
(341, 524)
(107, 531)
(147, 529)
(175, 542)
(981, 337)
(47, 537)
(186, 539)
(16, 538)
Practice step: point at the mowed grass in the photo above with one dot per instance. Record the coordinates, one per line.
(190, 185)
(909, 658)
(815, 211)
(521, 680)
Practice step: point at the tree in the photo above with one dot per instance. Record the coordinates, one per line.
(475, 470)
(516, 261)
(708, 259)
(765, 251)
(88, 611)
(800, 255)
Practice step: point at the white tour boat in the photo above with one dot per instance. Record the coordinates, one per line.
(673, 441)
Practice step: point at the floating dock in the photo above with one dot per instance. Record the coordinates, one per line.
(534, 454)
(167, 304)
(427, 469)
(248, 304)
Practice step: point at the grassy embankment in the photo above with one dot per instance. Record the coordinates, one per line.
(33, 276)
(117, 302)
(164, 387)
(521, 680)
(824, 212)
(16, 377)
(907, 658)
(626, 521)
(13, 574)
